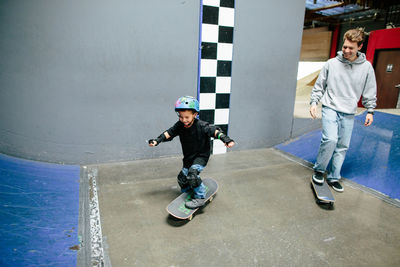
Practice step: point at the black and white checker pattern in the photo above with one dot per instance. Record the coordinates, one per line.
(216, 64)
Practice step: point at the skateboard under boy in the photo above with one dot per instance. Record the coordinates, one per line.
(323, 193)
(177, 207)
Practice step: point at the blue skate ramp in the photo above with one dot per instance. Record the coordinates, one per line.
(39, 209)
(373, 159)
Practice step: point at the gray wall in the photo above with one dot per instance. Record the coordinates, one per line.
(266, 52)
(88, 81)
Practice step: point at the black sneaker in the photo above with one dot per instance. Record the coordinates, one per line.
(336, 186)
(318, 177)
(195, 203)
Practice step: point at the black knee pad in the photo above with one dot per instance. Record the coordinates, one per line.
(182, 180)
(193, 178)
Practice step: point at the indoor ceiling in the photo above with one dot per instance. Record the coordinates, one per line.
(336, 12)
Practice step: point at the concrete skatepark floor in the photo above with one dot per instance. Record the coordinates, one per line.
(263, 215)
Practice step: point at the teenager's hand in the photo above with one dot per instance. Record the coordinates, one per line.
(369, 119)
(230, 144)
(313, 111)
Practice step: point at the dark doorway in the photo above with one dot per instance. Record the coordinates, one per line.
(387, 70)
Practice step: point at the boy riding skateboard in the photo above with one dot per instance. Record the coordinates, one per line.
(194, 135)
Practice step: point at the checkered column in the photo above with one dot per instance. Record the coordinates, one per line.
(215, 64)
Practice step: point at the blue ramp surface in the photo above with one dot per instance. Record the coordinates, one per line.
(373, 159)
(39, 209)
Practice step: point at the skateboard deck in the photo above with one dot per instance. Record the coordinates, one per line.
(177, 207)
(323, 193)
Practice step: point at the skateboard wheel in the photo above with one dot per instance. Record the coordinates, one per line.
(190, 218)
(211, 199)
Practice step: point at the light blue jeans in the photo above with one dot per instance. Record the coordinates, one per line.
(200, 191)
(336, 135)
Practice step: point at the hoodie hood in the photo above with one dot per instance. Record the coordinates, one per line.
(361, 58)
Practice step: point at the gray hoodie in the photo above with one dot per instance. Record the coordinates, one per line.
(341, 83)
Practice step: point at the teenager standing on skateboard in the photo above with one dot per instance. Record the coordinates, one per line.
(340, 84)
(194, 135)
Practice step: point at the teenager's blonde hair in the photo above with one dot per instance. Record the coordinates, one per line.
(355, 35)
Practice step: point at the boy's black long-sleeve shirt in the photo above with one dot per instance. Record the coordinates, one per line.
(195, 141)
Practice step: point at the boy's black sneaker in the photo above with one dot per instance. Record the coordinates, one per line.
(336, 186)
(318, 177)
(195, 203)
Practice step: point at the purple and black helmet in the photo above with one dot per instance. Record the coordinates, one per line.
(187, 102)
